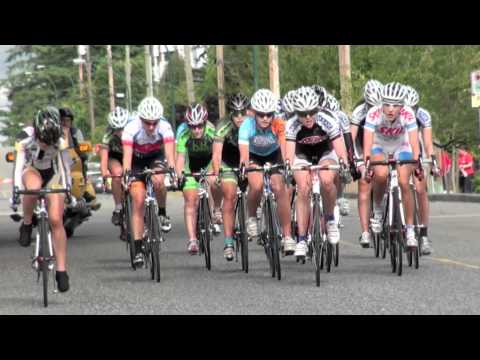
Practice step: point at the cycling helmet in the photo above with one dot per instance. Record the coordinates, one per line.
(321, 92)
(150, 109)
(412, 97)
(118, 118)
(306, 99)
(196, 115)
(66, 112)
(238, 102)
(264, 101)
(372, 92)
(331, 103)
(394, 93)
(287, 102)
(47, 125)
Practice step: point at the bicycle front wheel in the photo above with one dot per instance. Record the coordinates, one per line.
(243, 232)
(128, 226)
(317, 240)
(44, 254)
(207, 222)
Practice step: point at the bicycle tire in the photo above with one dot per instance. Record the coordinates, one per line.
(155, 244)
(400, 231)
(207, 233)
(393, 256)
(317, 239)
(329, 256)
(44, 253)
(275, 238)
(128, 226)
(376, 244)
(337, 255)
(243, 232)
(416, 257)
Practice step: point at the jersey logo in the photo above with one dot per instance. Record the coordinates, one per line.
(374, 114)
(407, 114)
(391, 132)
(313, 140)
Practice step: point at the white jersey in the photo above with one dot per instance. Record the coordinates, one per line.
(359, 114)
(424, 120)
(28, 152)
(145, 145)
(344, 121)
(390, 133)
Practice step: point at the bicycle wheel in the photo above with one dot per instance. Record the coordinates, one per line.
(399, 231)
(243, 232)
(336, 255)
(44, 253)
(392, 248)
(207, 232)
(317, 239)
(154, 243)
(376, 244)
(275, 238)
(265, 235)
(416, 257)
(128, 226)
(329, 255)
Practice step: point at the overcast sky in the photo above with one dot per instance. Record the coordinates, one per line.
(3, 56)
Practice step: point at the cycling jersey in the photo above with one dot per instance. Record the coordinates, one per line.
(181, 128)
(198, 152)
(314, 142)
(391, 136)
(424, 120)
(112, 141)
(343, 121)
(226, 133)
(261, 142)
(145, 145)
(54, 160)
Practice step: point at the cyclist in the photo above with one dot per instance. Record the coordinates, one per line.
(194, 153)
(74, 137)
(331, 103)
(111, 157)
(147, 142)
(372, 96)
(42, 161)
(424, 123)
(314, 137)
(227, 155)
(392, 128)
(261, 140)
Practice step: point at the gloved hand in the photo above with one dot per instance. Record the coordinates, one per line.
(435, 169)
(181, 182)
(345, 175)
(419, 173)
(368, 171)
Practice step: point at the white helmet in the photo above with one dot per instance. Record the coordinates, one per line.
(331, 103)
(394, 93)
(288, 102)
(118, 118)
(372, 92)
(306, 99)
(150, 109)
(412, 97)
(264, 101)
(196, 115)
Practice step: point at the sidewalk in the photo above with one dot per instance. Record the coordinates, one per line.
(475, 198)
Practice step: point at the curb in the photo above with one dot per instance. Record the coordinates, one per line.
(470, 198)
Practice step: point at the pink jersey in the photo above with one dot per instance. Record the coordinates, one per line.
(145, 145)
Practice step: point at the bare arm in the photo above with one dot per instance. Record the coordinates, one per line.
(413, 138)
(127, 157)
(244, 154)
(217, 157)
(367, 144)
(339, 147)
(180, 164)
(170, 153)
(428, 141)
(290, 151)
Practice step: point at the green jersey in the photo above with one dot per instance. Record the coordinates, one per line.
(198, 152)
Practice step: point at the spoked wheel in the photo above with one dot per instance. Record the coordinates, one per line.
(416, 256)
(243, 236)
(399, 250)
(393, 252)
(128, 225)
(329, 256)
(377, 244)
(156, 260)
(207, 222)
(336, 254)
(44, 254)
(409, 257)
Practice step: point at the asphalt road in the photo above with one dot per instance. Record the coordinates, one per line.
(102, 282)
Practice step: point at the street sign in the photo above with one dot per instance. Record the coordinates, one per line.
(475, 80)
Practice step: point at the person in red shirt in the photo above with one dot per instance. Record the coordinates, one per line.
(445, 170)
(465, 166)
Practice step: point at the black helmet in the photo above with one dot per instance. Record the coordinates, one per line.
(47, 125)
(238, 102)
(66, 112)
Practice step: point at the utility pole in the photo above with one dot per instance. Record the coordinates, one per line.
(111, 87)
(345, 77)
(148, 70)
(188, 73)
(221, 82)
(91, 104)
(128, 74)
(274, 70)
(255, 66)
(81, 53)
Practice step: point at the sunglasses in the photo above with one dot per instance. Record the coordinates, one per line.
(305, 114)
(262, 115)
(193, 127)
(239, 113)
(150, 123)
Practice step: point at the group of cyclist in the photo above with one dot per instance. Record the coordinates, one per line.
(306, 127)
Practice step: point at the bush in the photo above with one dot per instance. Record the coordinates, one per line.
(476, 183)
